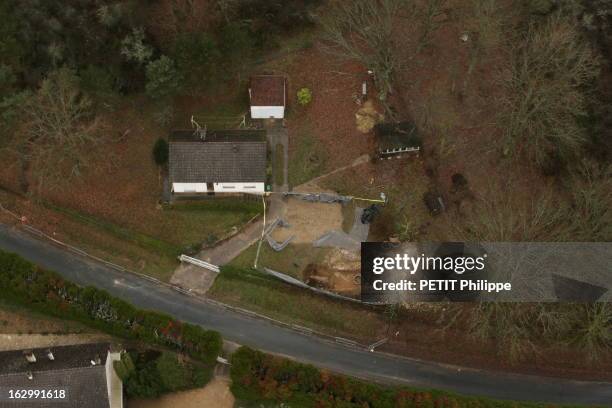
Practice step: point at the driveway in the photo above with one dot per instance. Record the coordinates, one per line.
(199, 280)
(263, 335)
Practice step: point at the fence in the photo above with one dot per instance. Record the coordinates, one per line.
(289, 326)
(200, 263)
(296, 282)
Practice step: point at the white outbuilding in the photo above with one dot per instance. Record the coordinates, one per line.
(268, 96)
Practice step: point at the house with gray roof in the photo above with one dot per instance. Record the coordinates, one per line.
(217, 162)
(73, 376)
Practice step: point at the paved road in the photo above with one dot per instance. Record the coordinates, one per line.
(263, 335)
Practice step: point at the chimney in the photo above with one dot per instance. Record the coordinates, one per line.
(29, 355)
(30, 375)
(96, 360)
(50, 355)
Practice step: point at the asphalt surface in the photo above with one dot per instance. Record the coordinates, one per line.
(263, 335)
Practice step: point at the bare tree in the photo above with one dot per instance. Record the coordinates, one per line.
(507, 213)
(365, 30)
(60, 128)
(592, 203)
(552, 69)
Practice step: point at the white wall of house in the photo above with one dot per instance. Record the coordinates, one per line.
(189, 188)
(254, 188)
(267, 112)
(114, 385)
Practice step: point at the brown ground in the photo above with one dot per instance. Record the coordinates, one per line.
(21, 328)
(308, 221)
(26, 341)
(121, 188)
(330, 117)
(339, 271)
(420, 337)
(216, 394)
(16, 320)
(452, 91)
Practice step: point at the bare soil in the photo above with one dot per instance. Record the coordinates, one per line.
(216, 394)
(15, 320)
(330, 117)
(308, 221)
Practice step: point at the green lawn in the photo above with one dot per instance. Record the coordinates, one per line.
(307, 160)
(181, 228)
(292, 260)
(261, 293)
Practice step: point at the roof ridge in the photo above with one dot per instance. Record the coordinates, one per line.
(58, 370)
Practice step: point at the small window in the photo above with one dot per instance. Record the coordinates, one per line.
(249, 187)
(228, 187)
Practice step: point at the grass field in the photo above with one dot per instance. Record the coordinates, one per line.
(260, 293)
(151, 249)
(307, 158)
(292, 260)
(112, 210)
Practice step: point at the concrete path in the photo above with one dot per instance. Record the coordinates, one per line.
(277, 135)
(263, 335)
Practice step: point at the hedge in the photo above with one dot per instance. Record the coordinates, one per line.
(152, 373)
(27, 284)
(260, 379)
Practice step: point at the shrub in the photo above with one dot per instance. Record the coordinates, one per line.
(541, 6)
(27, 284)
(262, 378)
(134, 48)
(163, 78)
(161, 152)
(157, 373)
(268, 20)
(173, 375)
(552, 76)
(304, 96)
(97, 80)
(124, 367)
(235, 43)
(197, 56)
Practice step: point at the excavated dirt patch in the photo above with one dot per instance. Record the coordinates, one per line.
(308, 221)
(338, 272)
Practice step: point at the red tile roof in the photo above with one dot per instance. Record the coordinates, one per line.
(268, 90)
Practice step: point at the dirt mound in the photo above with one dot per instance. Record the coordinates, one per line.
(367, 117)
(339, 272)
